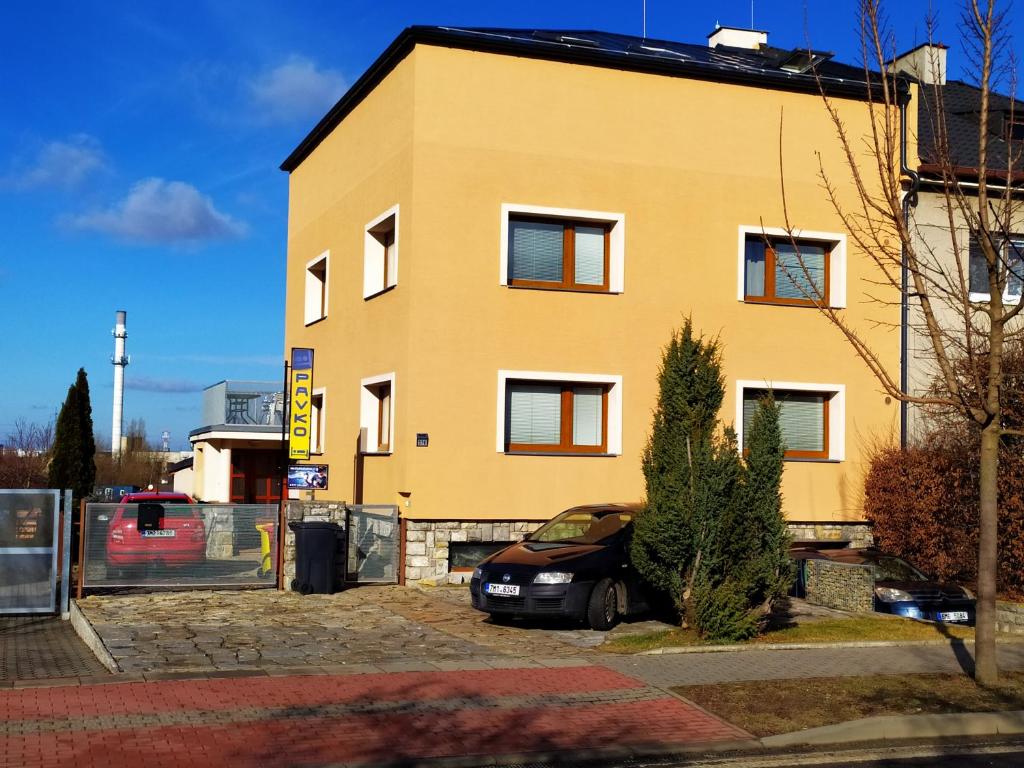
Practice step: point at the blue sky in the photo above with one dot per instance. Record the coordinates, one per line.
(139, 146)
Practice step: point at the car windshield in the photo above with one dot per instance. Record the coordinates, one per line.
(894, 569)
(578, 527)
(172, 509)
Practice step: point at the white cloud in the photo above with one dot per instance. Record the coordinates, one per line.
(163, 386)
(63, 164)
(297, 90)
(161, 211)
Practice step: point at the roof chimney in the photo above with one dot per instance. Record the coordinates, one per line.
(926, 63)
(734, 37)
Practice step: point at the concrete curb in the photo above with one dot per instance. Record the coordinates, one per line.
(85, 631)
(805, 646)
(901, 727)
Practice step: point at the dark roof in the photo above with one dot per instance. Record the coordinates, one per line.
(961, 103)
(766, 68)
(180, 465)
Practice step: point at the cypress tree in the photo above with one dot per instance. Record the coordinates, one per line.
(72, 464)
(768, 568)
(87, 472)
(712, 537)
(669, 536)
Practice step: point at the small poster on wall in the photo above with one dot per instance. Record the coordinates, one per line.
(307, 477)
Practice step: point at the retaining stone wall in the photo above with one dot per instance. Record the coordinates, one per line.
(1010, 617)
(311, 511)
(426, 542)
(840, 585)
(855, 534)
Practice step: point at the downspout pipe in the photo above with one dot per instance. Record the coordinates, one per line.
(909, 201)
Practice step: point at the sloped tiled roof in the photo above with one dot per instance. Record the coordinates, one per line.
(961, 103)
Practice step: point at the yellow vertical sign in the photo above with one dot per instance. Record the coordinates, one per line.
(301, 408)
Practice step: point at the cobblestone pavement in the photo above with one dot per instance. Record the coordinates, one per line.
(204, 631)
(38, 647)
(361, 719)
(700, 668)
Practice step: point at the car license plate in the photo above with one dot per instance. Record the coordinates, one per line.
(165, 533)
(502, 589)
(953, 616)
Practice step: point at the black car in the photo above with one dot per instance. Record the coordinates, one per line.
(575, 566)
(900, 588)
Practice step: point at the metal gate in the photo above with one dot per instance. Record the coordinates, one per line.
(373, 543)
(29, 543)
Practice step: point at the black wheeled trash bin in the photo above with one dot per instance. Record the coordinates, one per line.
(317, 549)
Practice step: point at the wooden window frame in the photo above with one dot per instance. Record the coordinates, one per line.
(565, 444)
(380, 244)
(317, 447)
(769, 272)
(382, 392)
(318, 269)
(826, 398)
(568, 282)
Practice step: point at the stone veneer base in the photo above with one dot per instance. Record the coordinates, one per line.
(427, 541)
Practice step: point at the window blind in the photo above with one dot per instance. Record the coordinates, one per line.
(589, 255)
(586, 415)
(977, 270)
(534, 414)
(1013, 252)
(796, 280)
(801, 418)
(535, 250)
(754, 272)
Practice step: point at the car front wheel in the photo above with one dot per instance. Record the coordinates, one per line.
(603, 607)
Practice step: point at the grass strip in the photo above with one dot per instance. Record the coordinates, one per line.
(854, 629)
(766, 708)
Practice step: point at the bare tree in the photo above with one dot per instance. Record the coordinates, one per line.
(959, 282)
(24, 455)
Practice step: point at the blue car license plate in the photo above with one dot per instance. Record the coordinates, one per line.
(953, 616)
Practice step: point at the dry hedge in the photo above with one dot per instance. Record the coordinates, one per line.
(923, 503)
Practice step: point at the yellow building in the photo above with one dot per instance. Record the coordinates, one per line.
(492, 236)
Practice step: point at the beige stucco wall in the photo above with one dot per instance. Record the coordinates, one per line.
(452, 135)
(934, 245)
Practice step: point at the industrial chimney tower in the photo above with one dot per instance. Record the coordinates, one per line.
(120, 360)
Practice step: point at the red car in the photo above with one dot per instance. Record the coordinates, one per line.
(172, 531)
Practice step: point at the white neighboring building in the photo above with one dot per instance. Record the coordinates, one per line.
(238, 452)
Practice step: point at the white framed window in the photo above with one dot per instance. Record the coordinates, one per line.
(317, 279)
(812, 417)
(377, 413)
(771, 270)
(562, 249)
(559, 413)
(1012, 250)
(318, 420)
(380, 254)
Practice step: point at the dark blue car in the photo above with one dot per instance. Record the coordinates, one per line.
(900, 588)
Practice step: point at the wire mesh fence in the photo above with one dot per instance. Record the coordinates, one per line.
(180, 545)
(373, 544)
(28, 550)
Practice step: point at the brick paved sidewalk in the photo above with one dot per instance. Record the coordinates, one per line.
(38, 647)
(345, 719)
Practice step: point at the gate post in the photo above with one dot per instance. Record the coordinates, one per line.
(81, 547)
(401, 550)
(65, 556)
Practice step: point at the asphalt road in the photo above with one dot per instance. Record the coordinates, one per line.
(978, 753)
